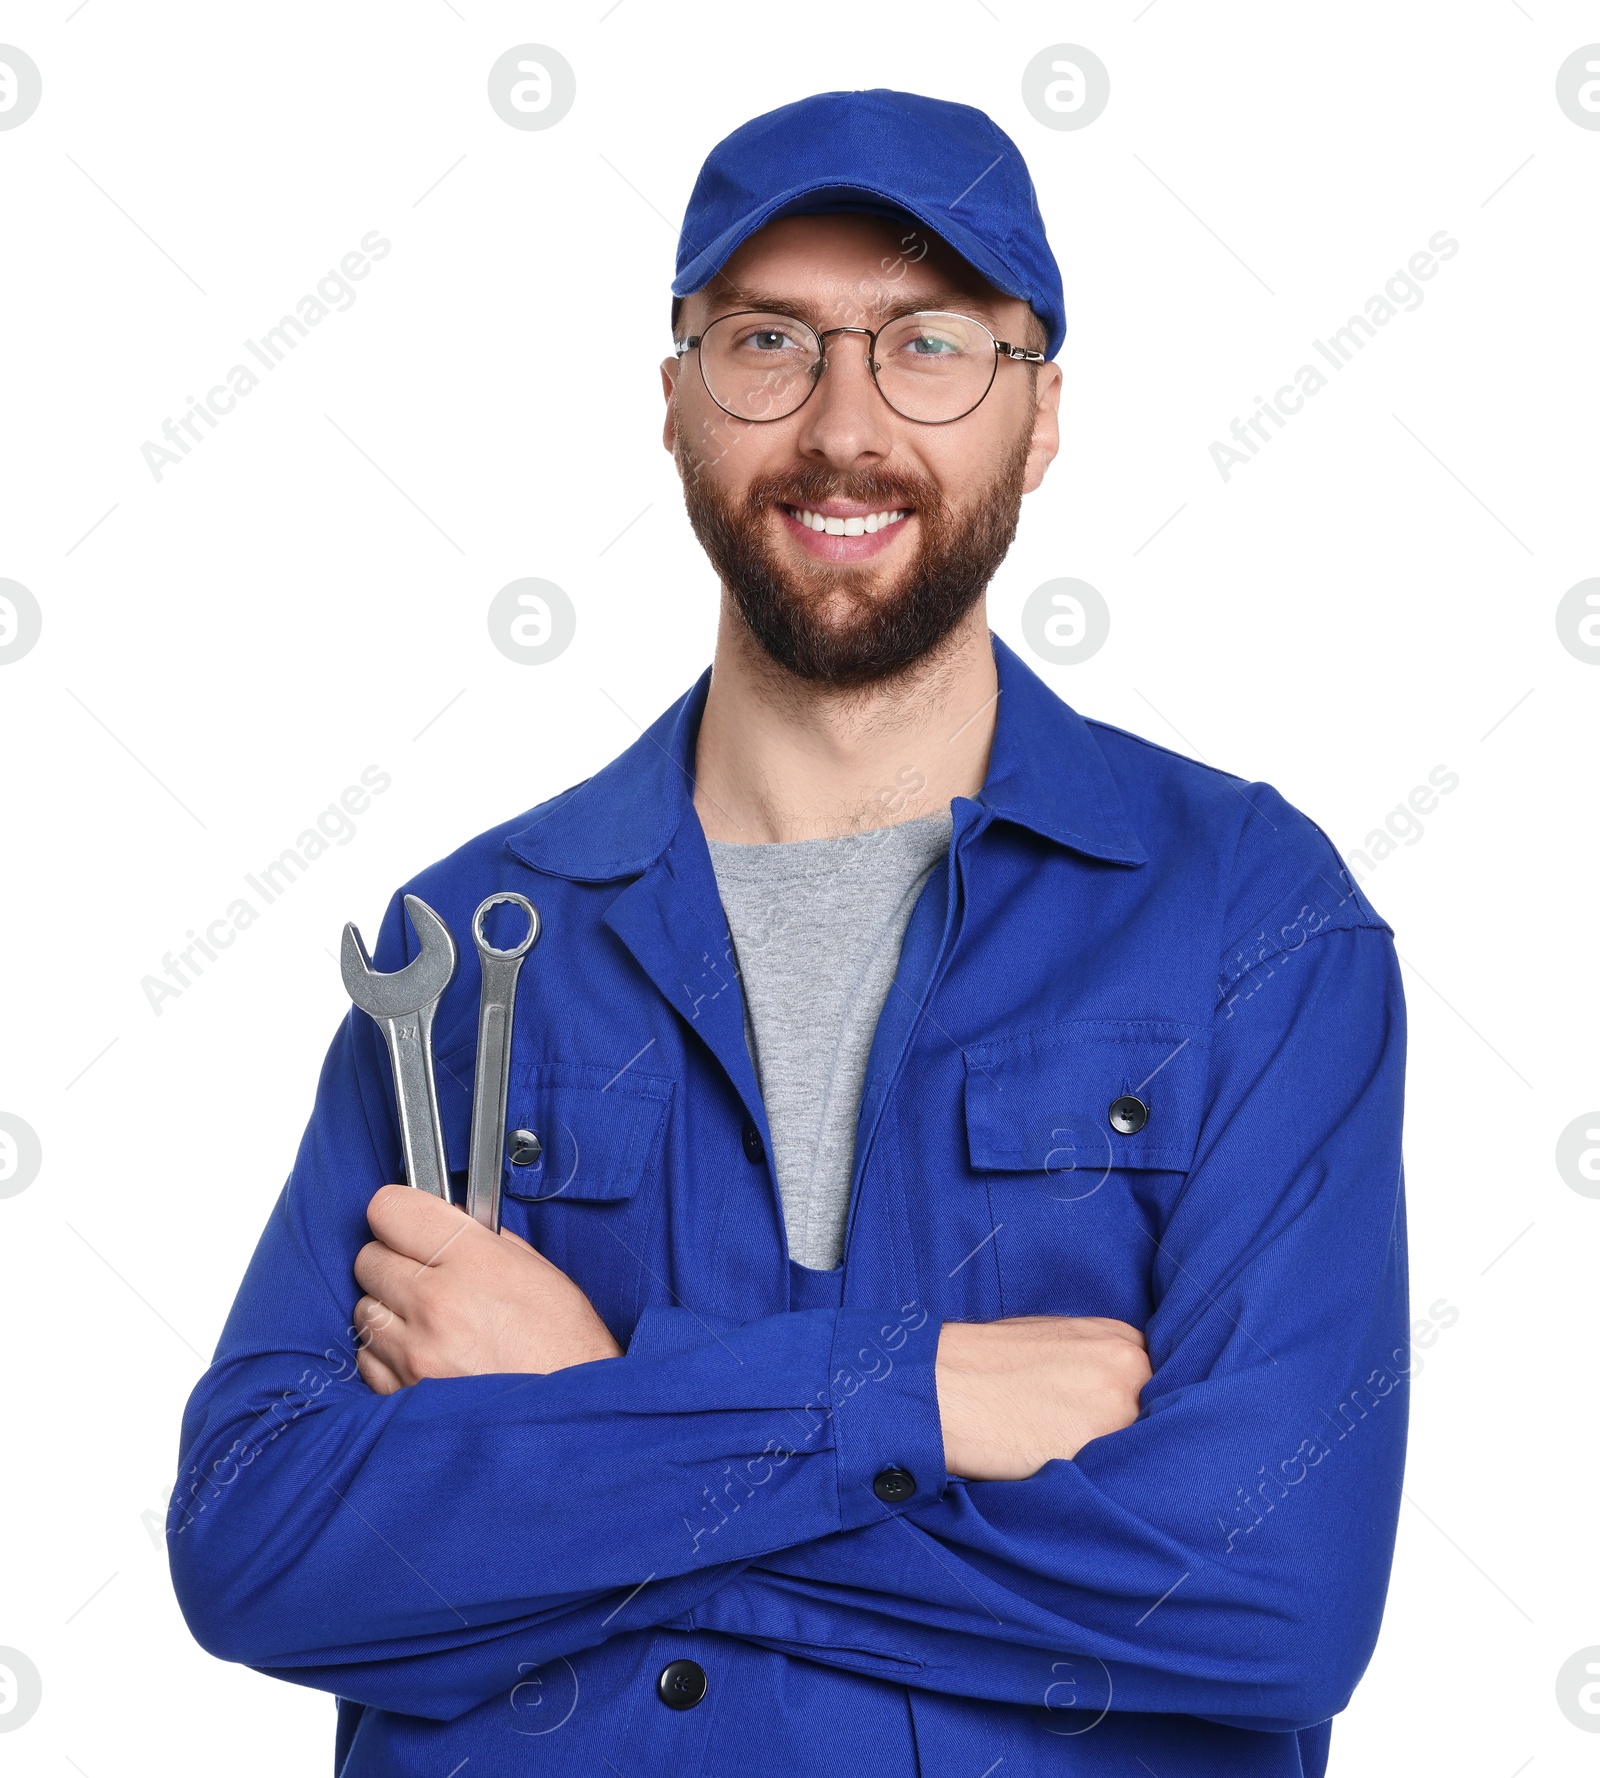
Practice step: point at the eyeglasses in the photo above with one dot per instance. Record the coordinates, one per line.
(931, 367)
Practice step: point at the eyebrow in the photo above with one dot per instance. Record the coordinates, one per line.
(730, 299)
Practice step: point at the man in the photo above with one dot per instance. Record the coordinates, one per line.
(950, 1316)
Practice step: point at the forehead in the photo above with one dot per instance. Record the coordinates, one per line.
(847, 266)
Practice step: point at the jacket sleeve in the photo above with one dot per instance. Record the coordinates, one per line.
(1226, 1556)
(409, 1551)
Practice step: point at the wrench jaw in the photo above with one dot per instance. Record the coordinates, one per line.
(409, 989)
(402, 1004)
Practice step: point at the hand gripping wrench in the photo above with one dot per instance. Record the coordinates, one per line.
(403, 1003)
(493, 1074)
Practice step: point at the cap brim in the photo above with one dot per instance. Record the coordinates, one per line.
(710, 259)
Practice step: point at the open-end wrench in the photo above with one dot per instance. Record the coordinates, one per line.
(492, 1076)
(403, 1005)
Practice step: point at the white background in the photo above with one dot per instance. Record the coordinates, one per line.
(224, 650)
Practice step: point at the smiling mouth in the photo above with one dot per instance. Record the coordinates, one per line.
(857, 525)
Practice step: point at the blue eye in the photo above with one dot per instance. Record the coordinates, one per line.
(770, 339)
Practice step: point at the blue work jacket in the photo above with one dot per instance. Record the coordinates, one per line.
(516, 1574)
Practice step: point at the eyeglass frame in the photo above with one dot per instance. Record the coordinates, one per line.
(1002, 349)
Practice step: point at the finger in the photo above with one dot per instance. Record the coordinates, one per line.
(377, 1376)
(380, 1333)
(1122, 1330)
(416, 1223)
(389, 1276)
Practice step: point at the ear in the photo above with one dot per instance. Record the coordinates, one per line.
(669, 383)
(1046, 437)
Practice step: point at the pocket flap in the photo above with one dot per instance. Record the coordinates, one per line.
(1043, 1099)
(599, 1130)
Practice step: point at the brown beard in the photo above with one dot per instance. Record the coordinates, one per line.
(838, 625)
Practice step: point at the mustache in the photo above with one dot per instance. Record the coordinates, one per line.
(812, 487)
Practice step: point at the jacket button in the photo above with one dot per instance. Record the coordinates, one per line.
(682, 1684)
(755, 1149)
(1128, 1115)
(894, 1485)
(524, 1148)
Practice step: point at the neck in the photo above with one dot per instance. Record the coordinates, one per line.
(784, 759)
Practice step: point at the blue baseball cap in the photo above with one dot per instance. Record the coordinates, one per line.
(947, 166)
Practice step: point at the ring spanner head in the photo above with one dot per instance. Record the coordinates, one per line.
(402, 1003)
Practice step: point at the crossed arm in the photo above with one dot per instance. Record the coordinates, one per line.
(1256, 1493)
(446, 1298)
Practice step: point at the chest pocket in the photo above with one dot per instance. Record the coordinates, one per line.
(599, 1135)
(597, 1131)
(1076, 1100)
(1079, 1135)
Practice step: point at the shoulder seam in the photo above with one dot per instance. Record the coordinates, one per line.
(1171, 752)
(1236, 964)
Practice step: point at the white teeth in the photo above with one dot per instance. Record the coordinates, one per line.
(854, 527)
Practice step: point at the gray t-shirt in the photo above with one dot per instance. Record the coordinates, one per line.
(817, 927)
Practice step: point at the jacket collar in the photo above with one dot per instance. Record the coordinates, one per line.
(1046, 773)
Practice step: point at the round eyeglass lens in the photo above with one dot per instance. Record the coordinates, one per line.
(759, 366)
(935, 367)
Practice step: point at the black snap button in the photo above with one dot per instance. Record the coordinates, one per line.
(894, 1485)
(524, 1148)
(1128, 1115)
(682, 1684)
(755, 1149)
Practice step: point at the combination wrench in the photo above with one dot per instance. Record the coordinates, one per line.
(492, 1076)
(403, 1003)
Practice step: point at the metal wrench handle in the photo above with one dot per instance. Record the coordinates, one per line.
(492, 1076)
(410, 1040)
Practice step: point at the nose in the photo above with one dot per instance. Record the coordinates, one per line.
(844, 422)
